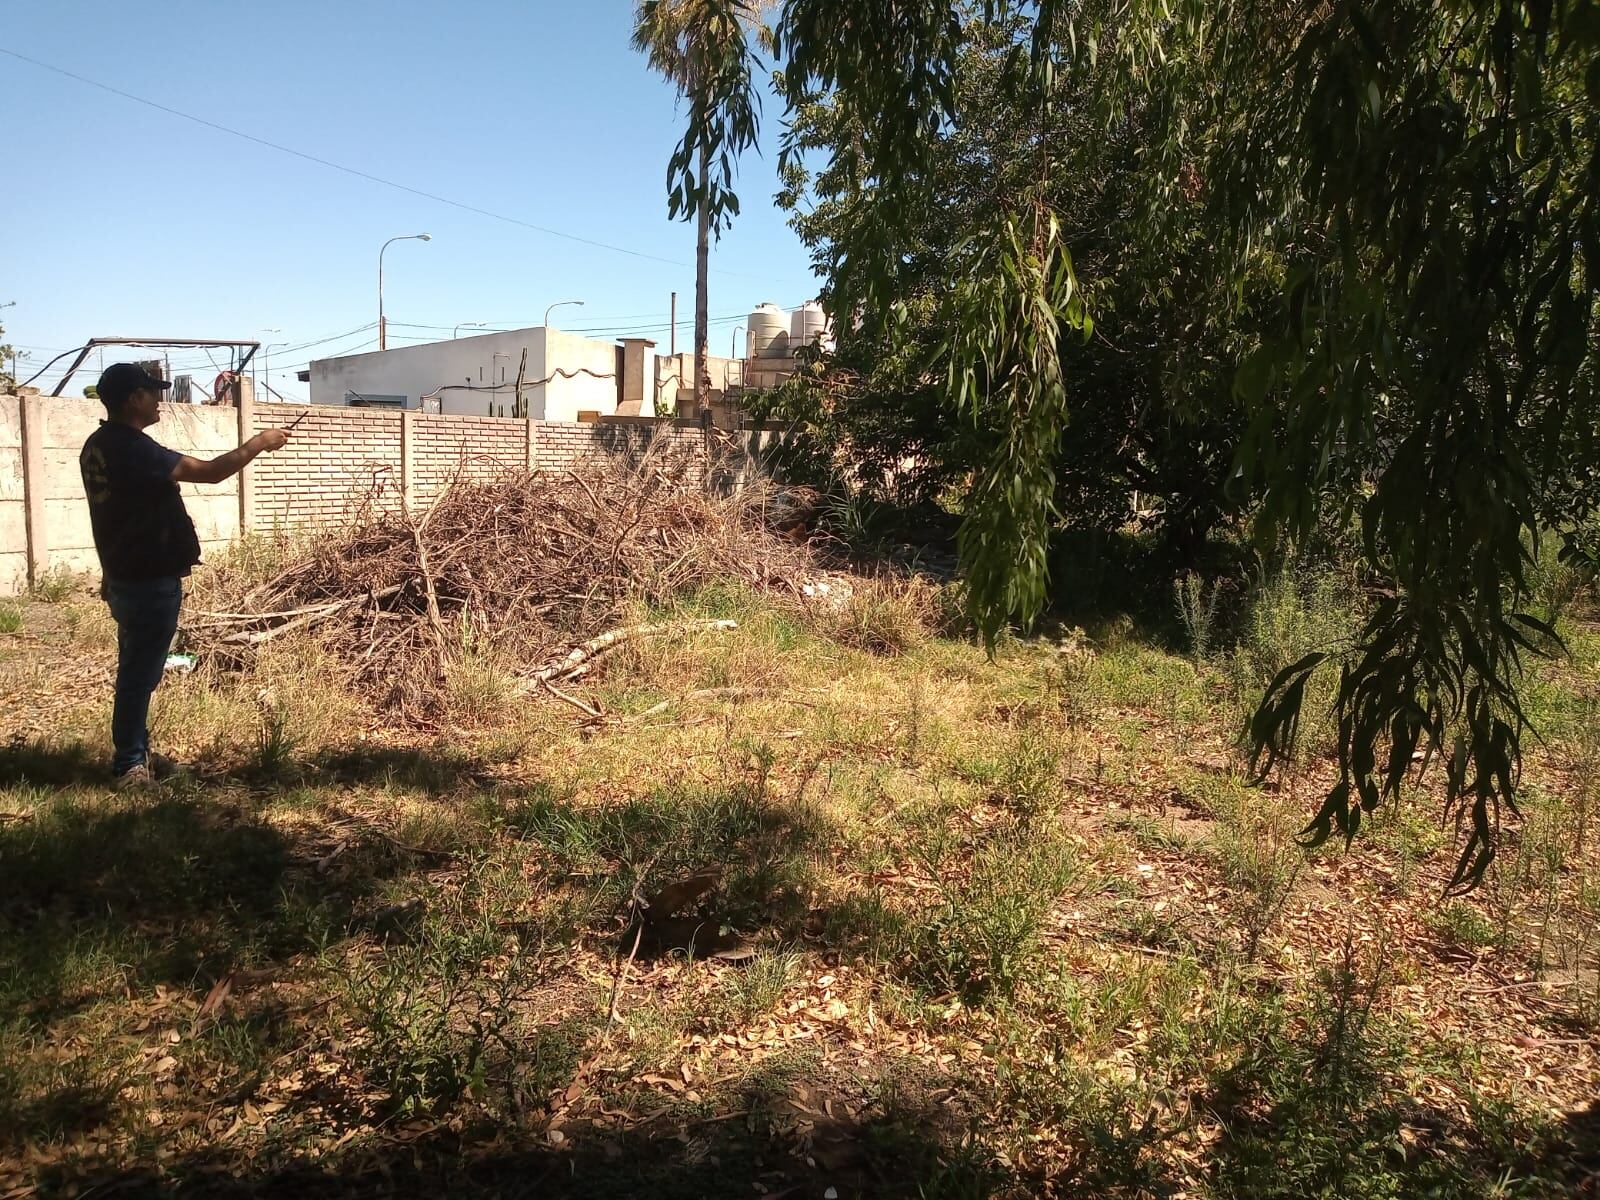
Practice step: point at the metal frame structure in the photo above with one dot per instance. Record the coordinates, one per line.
(248, 346)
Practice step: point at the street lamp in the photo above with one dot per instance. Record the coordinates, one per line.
(266, 360)
(466, 325)
(383, 338)
(556, 305)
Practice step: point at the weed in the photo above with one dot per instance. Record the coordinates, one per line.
(1411, 836)
(54, 584)
(881, 616)
(1584, 771)
(750, 991)
(1028, 781)
(982, 937)
(1555, 580)
(49, 1098)
(1197, 609)
(478, 687)
(1108, 1120)
(1142, 926)
(10, 618)
(1137, 677)
(916, 721)
(440, 1020)
(1460, 924)
(276, 738)
(1262, 860)
(762, 848)
(1149, 833)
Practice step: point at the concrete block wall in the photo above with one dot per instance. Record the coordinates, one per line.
(13, 501)
(338, 461)
(44, 518)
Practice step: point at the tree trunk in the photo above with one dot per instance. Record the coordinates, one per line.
(702, 255)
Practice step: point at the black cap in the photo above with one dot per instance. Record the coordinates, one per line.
(121, 380)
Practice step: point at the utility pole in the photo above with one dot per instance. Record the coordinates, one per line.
(383, 337)
(672, 340)
(266, 359)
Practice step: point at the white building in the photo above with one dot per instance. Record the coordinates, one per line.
(564, 375)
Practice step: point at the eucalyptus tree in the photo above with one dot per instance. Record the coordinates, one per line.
(1419, 182)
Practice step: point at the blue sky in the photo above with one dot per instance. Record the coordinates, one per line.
(125, 220)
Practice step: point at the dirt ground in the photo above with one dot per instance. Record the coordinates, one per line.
(788, 918)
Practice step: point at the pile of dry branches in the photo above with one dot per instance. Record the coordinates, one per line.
(540, 568)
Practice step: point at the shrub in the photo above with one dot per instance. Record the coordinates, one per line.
(54, 585)
(1261, 860)
(1029, 780)
(982, 937)
(1288, 615)
(881, 616)
(438, 1025)
(1197, 609)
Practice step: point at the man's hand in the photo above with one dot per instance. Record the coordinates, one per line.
(225, 466)
(272, 439)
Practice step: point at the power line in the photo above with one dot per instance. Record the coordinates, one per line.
(359, 174)
(613, 323)
(343, 351)
(332, 337)
(593, 329)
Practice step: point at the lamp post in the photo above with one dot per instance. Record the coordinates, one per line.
(557, 305)
(383, 338)
(266, 361)
(454, 333)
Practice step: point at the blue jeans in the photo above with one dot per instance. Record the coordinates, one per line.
(146, 613)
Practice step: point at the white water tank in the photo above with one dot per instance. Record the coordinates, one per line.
(768, 335)
(807, 324)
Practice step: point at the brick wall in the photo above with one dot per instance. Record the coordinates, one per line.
(337, 458)
(443, 448)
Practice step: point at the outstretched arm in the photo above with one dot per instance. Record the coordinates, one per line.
(226, 466)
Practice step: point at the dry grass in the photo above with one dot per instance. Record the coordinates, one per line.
(1018, 928)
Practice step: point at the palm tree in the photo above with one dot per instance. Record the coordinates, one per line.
(704, 48)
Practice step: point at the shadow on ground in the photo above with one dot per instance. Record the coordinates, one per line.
(177, 885)
(909, 1152)
(437, 769)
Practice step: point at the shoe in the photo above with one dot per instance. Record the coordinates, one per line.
(156, 768)
(137, 776)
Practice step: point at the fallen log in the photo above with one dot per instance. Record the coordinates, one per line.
(581, 656)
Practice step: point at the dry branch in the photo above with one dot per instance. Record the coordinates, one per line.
(536, 571)
(613, 638)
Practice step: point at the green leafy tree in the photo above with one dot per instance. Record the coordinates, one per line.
(1419, 186)
(705, 48)
(1151, 407)
(8, 365)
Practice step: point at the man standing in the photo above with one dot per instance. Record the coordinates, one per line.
(147, 544)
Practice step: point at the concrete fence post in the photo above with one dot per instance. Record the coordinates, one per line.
(38, 546)
(247, 477)
(408, 456)
(530, 446)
